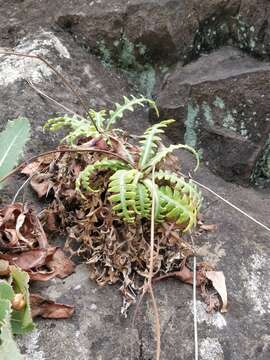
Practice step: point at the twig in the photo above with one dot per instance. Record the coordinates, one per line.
(228, 203)
(151, 267)
(195, 321)
(51, 99)
(78, 150)
(149, 286)
(64, 80)
(21, 187)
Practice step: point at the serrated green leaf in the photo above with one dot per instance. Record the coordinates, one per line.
(77, 127)
(122, 186)
(149, 141)
(128, 105)
(161, 155)
(21, 319)
(12, 142)
(8, 347)
(105, 164)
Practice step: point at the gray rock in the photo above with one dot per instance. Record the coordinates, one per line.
(221, 104)
(168, 29)
(238, 247)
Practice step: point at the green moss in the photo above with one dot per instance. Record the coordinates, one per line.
(147, 81)
(124, 56)
(219, 103)
(229, 122)
(207, 114)
(261, 173)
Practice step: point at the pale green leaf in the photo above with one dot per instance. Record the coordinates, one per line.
(21, 319)
(8, 347)
(12, 141)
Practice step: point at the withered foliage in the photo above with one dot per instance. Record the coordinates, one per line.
(114, 250)
(24, 243)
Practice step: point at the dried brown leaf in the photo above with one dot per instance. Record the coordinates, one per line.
(218, 280)
(48, 309)
(20, 228)
(60, 264)
(4, 268)
(208, 227)
(41, 184)
(27, 260)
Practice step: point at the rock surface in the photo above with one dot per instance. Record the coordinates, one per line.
(238, 247)
(221, 104)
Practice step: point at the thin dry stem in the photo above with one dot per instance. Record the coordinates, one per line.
(195, 321)
(151, 269)
(78, 150)
(64, 80)
(229, 203)
(51, 99)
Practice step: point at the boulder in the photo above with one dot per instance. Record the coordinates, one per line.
(98, 87)
(238, 247)
(156, 31)
(221, 106)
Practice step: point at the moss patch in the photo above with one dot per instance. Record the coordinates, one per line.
(132, 59)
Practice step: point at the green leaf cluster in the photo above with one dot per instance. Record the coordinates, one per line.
(79, 127)
(130, 186)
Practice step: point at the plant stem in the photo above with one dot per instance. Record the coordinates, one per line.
(78, 150)
(228, 203)
(64, 80)
(151, 268)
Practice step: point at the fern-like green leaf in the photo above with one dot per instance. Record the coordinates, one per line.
(153, 190)
(98, 117)
(177, 206)
(161, 155)
(143, 201)
(128, 105)
(179, 183)
(78, 127)
(104, 164)
(149, 142)
(123, 187)
(12, 142)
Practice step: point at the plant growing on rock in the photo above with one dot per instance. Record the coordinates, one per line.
(130, 188)
(102, 187)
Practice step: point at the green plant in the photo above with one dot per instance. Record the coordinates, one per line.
(82, 127)
(12, 141)
(15, 315)
(130, 187)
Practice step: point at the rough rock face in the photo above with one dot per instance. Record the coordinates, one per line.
(169, 29)
(98, 87)
(238, 247)
(221, 104)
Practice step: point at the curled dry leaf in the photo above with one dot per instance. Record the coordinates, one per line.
(41, 184)
(27, 260)
(48, 309)
(20, 228)
(185, 275)
(4, 268)
(60, 264)
(41, 264)
(218, 280)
